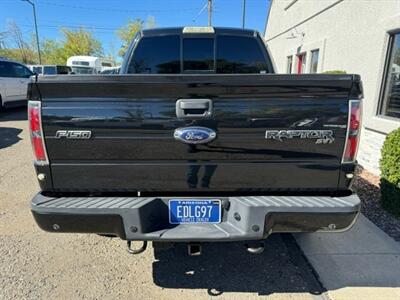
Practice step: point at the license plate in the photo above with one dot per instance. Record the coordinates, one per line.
(194, 211)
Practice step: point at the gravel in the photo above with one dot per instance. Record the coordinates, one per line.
(367, 186)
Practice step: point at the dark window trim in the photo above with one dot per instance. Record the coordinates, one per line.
(129, 52)
(385, 75)
(256, 35)
(264, 50)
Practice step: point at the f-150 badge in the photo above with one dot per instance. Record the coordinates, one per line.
(194, 135)
(321, 136)
(74, 134)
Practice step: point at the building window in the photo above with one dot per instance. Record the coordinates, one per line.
(289, 64)
(314, 61)
(301, 63)
(390, 105)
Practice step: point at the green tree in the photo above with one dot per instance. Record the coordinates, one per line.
(27, 56)
(151, 22)
(79, 42)
(18, 48)
(73, 42)
(52, 52)
(390, 173)
(127, 32)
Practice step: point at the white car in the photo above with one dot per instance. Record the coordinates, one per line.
(50, 69)
(14, 79)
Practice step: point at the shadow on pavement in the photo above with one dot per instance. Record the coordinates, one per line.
(227, 267)
(14, 114)
(9, 136)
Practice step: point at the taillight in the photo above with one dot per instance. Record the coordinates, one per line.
(35, 127)
(353, 132)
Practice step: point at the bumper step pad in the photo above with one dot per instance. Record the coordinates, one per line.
(243, 218)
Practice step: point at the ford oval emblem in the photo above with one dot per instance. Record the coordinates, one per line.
(195, 135)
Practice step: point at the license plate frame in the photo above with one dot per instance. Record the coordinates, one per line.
(214, 216)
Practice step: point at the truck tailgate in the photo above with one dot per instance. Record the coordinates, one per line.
(274, 132)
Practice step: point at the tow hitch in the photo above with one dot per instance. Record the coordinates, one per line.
(194, 249)
(135, 251)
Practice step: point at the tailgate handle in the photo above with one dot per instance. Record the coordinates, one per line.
(193, 108)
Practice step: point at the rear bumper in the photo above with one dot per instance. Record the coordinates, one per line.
(243, 218)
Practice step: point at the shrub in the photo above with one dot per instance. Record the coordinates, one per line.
(390, 173)
(334, 72)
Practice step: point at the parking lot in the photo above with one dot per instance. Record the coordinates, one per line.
(39, 265)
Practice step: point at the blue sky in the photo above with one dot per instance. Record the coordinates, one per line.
(103, 17)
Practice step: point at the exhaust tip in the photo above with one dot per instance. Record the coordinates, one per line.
(255, 248)
(194, 249)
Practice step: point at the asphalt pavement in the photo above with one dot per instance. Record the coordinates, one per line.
(39, 265)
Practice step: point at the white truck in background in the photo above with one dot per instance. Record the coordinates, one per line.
(89, 64)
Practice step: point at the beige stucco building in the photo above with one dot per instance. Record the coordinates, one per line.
(356, 36)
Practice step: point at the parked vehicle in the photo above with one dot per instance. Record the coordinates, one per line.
(110, 70)
(89, 64)
(14, 79)
(50, 69)
(197, 141)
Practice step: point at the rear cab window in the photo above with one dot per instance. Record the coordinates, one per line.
(156, 55)
(240, 54)
(199, 53)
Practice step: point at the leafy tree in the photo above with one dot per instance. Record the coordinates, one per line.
(79, 42)
(127, 32)
(132, 27)
(52, 52)
(151, 22)
(27, 56)
(20, 49)
(74, 42)
(390, 173)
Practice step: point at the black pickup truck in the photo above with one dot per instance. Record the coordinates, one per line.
(196, 140)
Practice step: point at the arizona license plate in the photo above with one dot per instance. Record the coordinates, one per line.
(194, 211)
